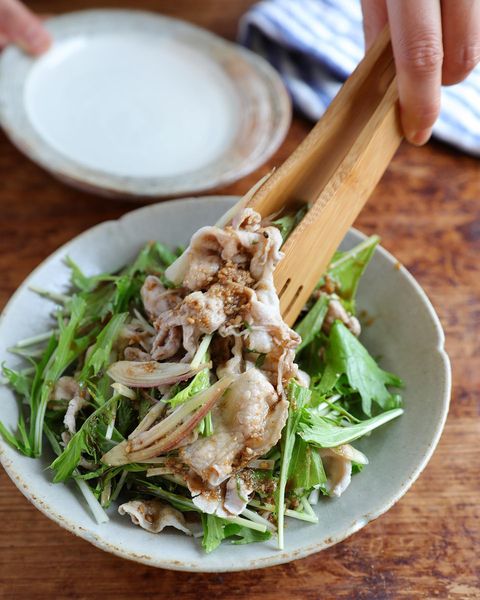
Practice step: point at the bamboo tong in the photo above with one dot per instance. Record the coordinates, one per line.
(334, 170)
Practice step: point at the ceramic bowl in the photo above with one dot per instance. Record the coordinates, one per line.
(135, 104)
(405, 332)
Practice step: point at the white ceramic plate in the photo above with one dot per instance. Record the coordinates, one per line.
(132, 103)
(405, 332)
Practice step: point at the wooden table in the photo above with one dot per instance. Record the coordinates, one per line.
(427, 211)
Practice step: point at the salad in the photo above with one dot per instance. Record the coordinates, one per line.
(174, 391)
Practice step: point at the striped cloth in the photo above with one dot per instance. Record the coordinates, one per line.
(316, 44)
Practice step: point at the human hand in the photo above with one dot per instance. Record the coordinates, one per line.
(434, 42)
(20, 26)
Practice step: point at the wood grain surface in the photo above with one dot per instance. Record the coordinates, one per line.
(427, 211)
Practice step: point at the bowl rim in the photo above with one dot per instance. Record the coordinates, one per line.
(14, 69)
(281, 556)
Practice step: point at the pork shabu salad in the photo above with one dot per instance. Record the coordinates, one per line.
(174, 391)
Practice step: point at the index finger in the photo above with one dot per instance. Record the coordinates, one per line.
(416, 31)
(461, 39)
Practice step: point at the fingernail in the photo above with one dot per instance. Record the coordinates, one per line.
(418, 138)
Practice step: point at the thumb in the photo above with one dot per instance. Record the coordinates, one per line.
(22, 27)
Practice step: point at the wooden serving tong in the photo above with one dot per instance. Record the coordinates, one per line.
(334, 170)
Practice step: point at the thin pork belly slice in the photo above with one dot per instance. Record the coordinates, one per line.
(226, 500)
(66, 388)
(154, 515)
(247, 422)
(227, 282)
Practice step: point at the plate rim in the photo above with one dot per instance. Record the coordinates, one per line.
(21, 132)
(276, 558)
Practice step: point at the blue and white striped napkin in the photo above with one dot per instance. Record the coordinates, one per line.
(316, 44)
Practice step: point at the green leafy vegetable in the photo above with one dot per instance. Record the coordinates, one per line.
(325, 434)
(176, 500)
(99, 357)
(207, 428)
(153, 257)
(345, 354)
(298, 396)
(83, 282)
(64, 354)
(245, 535)
(311, 324)
(200, 382)
(213, 532)
(306, 468)
(216, 529)
(287, 223)
(126, 419)
(347, 268)
(83, 441)
(20, 382)
(68, 461)
(126, 288)
(166, 256)
(16, 441)
(357, 468)
(312, 358)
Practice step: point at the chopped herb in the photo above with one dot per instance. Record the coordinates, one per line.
(260, 360)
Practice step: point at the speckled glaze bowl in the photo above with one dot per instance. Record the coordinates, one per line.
(405, 332)
(134, 104)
